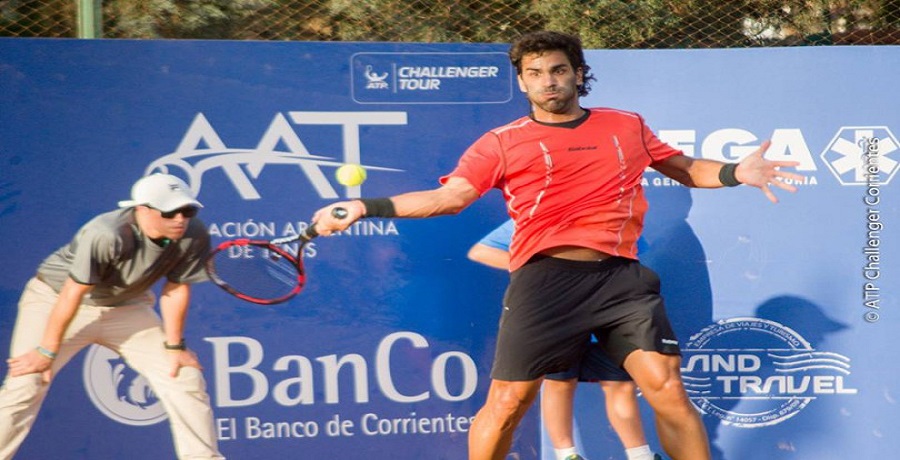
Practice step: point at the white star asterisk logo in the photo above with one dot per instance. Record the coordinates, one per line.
(854, 151)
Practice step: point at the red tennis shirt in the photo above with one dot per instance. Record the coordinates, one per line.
(565, 185)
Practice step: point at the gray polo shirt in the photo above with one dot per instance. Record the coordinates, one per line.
(122, 264)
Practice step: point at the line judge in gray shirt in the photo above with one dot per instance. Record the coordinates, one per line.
(97, 289)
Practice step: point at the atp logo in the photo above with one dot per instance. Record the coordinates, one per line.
(862, 155)
(118, 391)
(375, 81)
(202, 149)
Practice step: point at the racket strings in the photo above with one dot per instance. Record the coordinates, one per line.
(257, 273)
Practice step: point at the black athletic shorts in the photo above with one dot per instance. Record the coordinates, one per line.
(552, 306)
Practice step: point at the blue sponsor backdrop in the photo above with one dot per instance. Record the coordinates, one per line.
(784, 310)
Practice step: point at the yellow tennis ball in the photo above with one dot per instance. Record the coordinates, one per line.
(350, 175)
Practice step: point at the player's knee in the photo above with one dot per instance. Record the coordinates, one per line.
(508, 404)
(668, 395)
(667, 386)
(621, 399)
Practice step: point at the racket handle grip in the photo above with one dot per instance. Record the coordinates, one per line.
(310, 232)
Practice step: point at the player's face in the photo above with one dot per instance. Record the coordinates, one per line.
(551, 84)
(171, 225)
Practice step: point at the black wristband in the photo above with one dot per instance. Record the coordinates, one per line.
(179, 347)
(726, 175)
(379, 207)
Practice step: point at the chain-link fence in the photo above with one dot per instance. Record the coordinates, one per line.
(600, 23)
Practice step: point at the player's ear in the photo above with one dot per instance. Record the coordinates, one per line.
(521, 84)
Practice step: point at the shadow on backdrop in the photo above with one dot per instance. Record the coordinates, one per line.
(674, 251)
(804, 439)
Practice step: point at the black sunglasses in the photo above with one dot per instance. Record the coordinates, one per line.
(187, 211)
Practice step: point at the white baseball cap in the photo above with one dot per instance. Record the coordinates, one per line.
(160, 191)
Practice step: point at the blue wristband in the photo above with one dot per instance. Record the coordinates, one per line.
(45, 352)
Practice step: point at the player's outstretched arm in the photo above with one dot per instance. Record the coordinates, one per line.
(754, 170)
(452, 197)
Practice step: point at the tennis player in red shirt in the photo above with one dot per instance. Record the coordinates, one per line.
(571, 177)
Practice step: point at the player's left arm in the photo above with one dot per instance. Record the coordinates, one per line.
(173, 305)
(754, 170)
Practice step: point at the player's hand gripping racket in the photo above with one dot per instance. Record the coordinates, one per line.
(262, 271)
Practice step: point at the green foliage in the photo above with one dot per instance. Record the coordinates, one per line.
(177, 18)
(600, 23)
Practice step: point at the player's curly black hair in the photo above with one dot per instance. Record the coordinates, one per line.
(544, 41)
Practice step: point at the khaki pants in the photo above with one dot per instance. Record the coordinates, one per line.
(134, 332)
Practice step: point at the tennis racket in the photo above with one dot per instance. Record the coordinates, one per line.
(264, 272)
